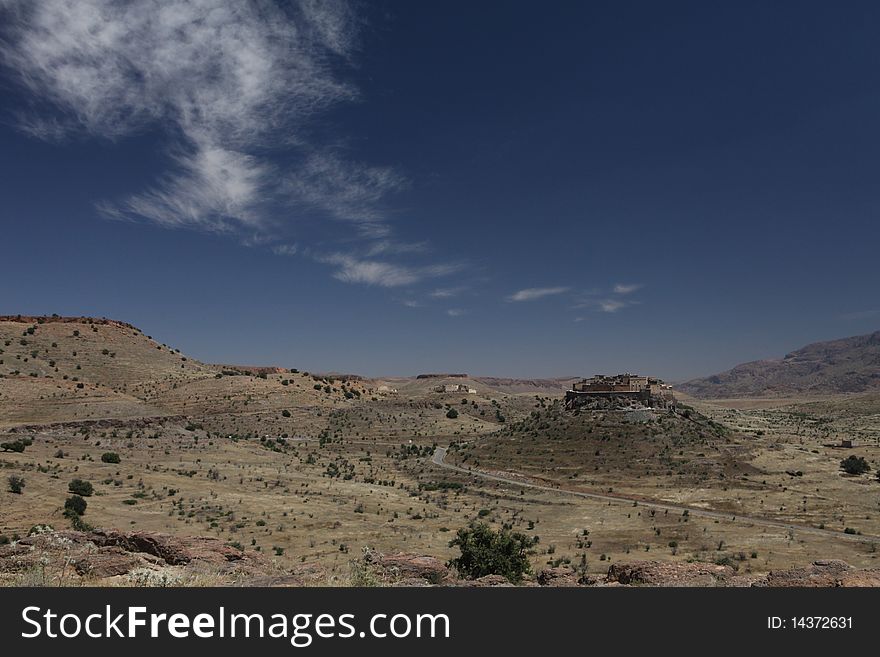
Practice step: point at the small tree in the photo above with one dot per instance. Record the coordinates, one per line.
(75, 505)
(487, 552)
(855, 465)
(110, 457)
(16, 484)
(80, 487)
(452, 414)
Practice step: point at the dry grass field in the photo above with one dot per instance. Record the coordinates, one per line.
(311, 469)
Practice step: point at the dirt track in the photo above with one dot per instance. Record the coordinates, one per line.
(439, 457)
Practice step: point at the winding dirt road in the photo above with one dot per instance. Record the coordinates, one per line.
(439, 459)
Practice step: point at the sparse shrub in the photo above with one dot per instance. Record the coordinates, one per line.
(81, 487)
(110, 457)
(285, 413)
(16, 484)
(452, 413)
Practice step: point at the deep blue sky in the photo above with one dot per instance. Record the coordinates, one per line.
(512, 189)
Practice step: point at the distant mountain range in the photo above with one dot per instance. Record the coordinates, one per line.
(837, 366)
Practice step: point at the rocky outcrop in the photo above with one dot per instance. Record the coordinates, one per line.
(562, 576)
(404, 567)
(108, 562)
(98, 555)
(659, 573)
(826, 573)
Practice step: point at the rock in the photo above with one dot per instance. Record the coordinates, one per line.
(825, 573)
(108, 562)
(309, 574)
(559, 576)
(402, 565)
(491, 580)
(168, 548)
(658, 573)
(98, 555)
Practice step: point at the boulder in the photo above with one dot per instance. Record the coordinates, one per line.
(559, 576)
(824, 573)
(404, 566)
(658, 573)
(107, 562)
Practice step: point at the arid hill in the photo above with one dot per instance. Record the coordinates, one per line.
(75, 369)
(848, 365)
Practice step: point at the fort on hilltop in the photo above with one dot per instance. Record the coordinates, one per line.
(620, 390)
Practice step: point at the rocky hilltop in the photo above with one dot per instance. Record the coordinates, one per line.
(847, 365)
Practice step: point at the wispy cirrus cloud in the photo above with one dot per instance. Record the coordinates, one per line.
(351, 269)
(532, 293)
(446, 292)
(285, 249)
(456, 312)
(224, 81)
(232, 88)
(627, 288)
(346, 191)
(619, 296)
(394, 247)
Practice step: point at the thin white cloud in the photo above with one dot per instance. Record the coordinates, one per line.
(285, 249)
(627, 288)
(456, 312)
(609, 301)
(394, 247)
(351, 269)
(446, 293)
(532, 293)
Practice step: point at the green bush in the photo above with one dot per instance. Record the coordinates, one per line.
(80, 487)
(13, 446)
(110, 457)
(75, 505)
(487, 552)
(452, 413)
(855, 465)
